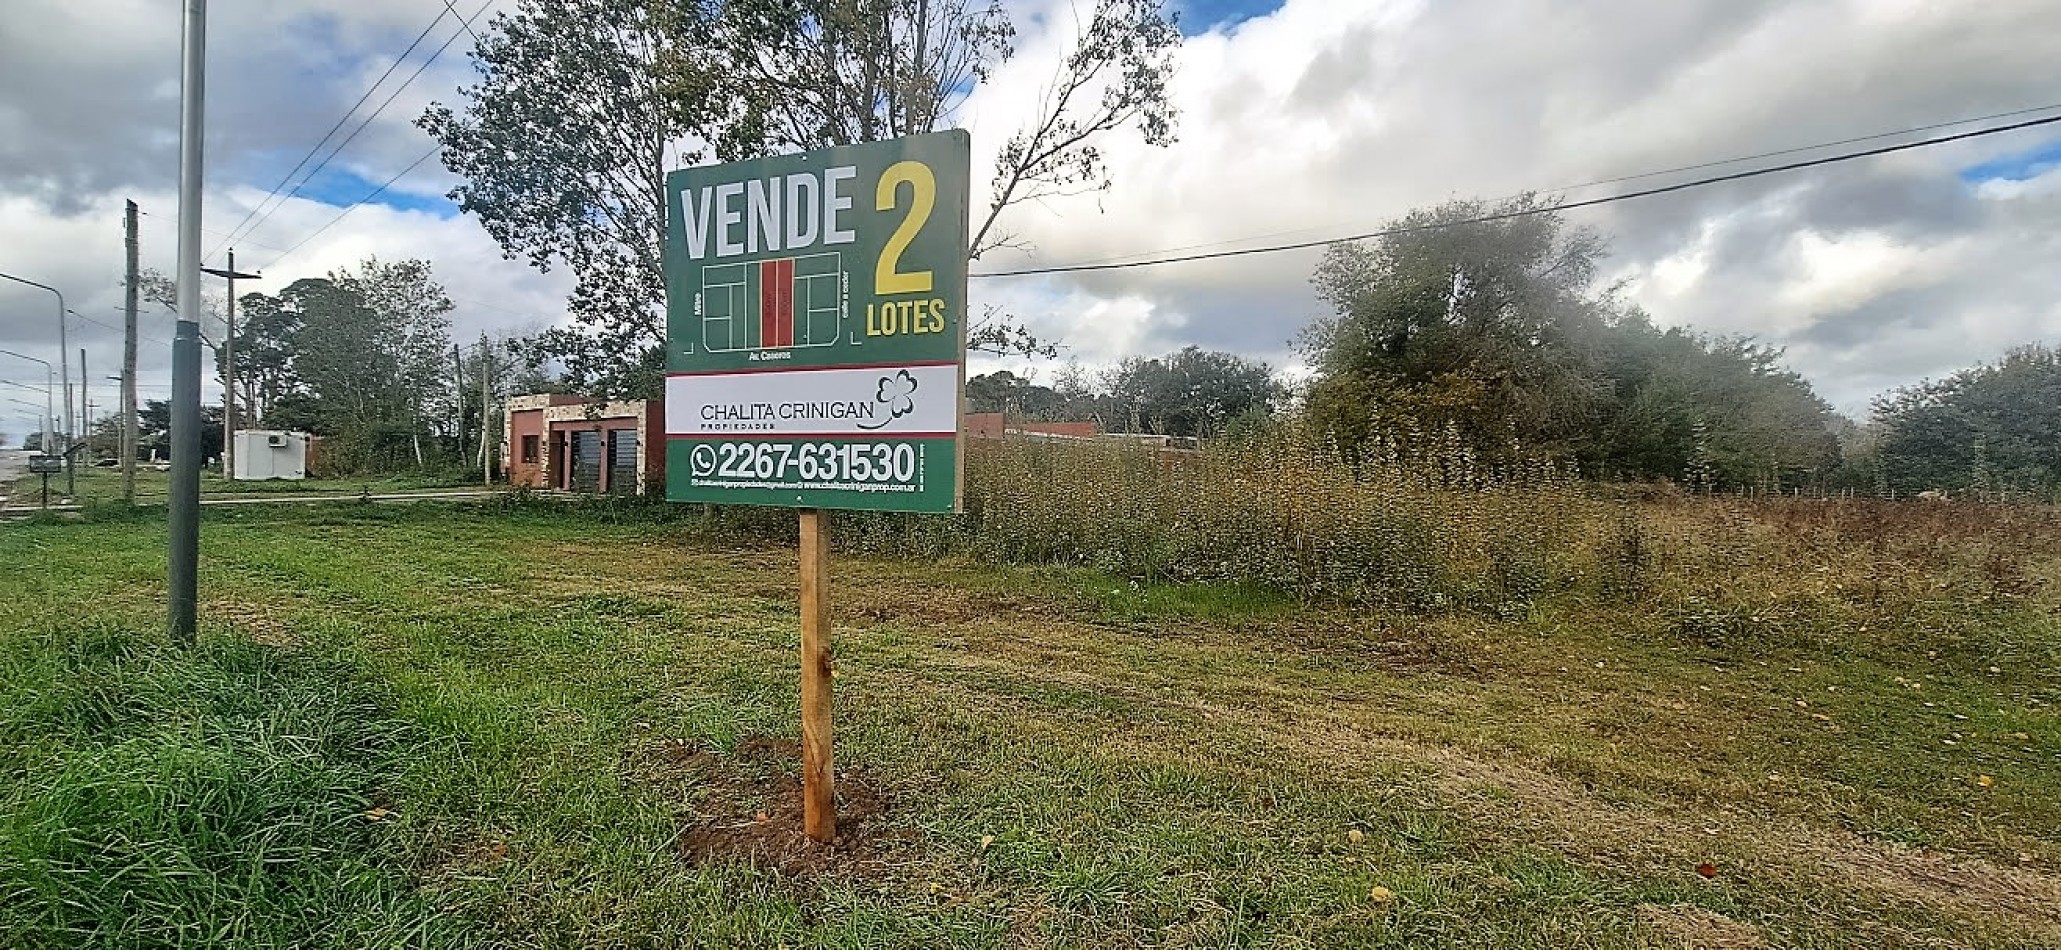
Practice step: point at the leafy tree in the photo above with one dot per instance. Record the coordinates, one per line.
(357, 356)
(1190, 392)
(1475, 326)
(805, 74)
(1706, 410)
(412, 314)
(1490, 329)
(1991, 427)
(265, 340)
(1115, 75)
(1004, 391)
(563, 147)
(495, 369)
(158, 287)
(154, 429)
(583, 104)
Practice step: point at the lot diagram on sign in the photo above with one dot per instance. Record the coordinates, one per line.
(779, 303)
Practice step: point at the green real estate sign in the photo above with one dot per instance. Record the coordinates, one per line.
(816, 327)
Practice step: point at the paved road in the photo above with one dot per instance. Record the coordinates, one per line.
(27, 504)
(14, 466)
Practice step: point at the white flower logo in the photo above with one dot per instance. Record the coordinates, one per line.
(895, 392)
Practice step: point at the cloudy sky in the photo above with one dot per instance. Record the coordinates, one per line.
(1300, 120)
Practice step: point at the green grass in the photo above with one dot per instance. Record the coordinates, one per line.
(542, 700)
(217, 798)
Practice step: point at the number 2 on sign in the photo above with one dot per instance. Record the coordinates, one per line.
(888, 277)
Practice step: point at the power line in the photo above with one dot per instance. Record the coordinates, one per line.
(346, 117)
(355, 205)
(467, 24)
(1637, 177)
(117, 329)
(1507, 215)
(171, 223)
(309, 178)
(1812, 148)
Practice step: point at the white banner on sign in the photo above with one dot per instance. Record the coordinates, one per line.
(903, 401)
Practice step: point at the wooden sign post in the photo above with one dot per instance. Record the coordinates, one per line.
(819, 781)
(816, 357)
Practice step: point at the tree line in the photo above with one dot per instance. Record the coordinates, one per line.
(1481, 325)
(364, 358)
(1473, 323)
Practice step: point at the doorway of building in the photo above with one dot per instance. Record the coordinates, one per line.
(561, 478)
(586, 461)
(622, 462)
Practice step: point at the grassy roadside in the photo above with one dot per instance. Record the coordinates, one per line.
(547, 709)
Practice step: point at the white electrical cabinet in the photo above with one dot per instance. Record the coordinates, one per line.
(261, 454)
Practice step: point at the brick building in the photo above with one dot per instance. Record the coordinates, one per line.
(571, 443)
(996, 425)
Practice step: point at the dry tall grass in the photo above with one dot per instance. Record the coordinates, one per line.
(1435, 527)
(1422, 529)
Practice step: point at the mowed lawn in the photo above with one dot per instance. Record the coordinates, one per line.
(449, 726)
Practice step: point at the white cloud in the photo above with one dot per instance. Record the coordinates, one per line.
(1324, 118)
(1320, 118)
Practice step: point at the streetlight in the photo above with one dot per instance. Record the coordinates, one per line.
(46, 394)
(229, 364)
(85, 424)
(63, 347)
(182, 574)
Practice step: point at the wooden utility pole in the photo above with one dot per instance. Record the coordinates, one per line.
(486, 412)
(129, 434)
(229, 377)
(85, 415)
(819, 781)
(458, 396)
(229, 364)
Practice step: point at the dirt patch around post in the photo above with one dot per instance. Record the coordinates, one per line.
(774, 837)
(752, 814)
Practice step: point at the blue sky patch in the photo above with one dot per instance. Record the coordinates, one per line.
(1200, 16)
(2028, 164)
(340, 187)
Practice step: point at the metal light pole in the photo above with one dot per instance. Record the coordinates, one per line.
(49, 384)
(63, 361)
(229, 365)
(182, 582)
